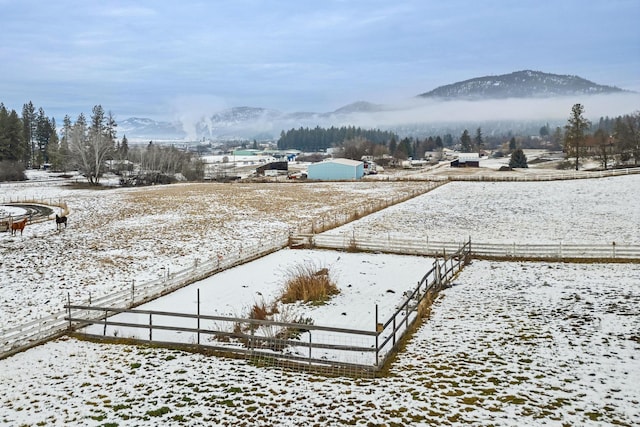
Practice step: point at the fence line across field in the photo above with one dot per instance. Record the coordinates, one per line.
(300, 345)
(19, 338)
(6, 220)
(545, 177)
(32, 333)
(399, 244)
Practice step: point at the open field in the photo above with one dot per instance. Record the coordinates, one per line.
(115, 236)
(510, 344)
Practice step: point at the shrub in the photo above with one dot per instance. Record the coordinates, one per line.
(308, 283)
(12, 171)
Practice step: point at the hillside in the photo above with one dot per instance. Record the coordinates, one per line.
(520, 84)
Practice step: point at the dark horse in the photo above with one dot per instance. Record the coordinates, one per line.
(15, 226)
(61, 220)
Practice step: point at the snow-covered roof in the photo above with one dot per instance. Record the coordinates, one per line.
(347, 162)
(465, 157)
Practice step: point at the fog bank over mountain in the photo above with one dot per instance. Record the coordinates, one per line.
(515, 102)
(524, 109)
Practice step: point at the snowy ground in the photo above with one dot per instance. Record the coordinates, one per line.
(115, 236)
(510, 344)
(368, 283)
(594, 211)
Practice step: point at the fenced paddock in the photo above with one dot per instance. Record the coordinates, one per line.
(399, 244)
(299, 345)
(38, 331)
(32, 219)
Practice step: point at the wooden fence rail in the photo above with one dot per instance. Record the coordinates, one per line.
(402, 245)
(6, 220)
(342, 350)
(524, 177)
(16, 339)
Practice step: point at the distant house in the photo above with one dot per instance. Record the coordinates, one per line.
(336, 170)
(466, 160)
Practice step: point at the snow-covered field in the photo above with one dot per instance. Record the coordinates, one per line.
(369, 284)
(593, 211)
(115, 236)
(510, 344)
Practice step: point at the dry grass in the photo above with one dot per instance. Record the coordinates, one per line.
(260, 310)
(309, 284)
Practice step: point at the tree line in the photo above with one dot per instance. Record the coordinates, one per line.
(612, 141)
(88, 146)
(319, 139)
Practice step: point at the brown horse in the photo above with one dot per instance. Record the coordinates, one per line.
(15, 226)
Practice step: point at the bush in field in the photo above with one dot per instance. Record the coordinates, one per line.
(518, 159)
(12, 171)
(308, 283)
(260, 311)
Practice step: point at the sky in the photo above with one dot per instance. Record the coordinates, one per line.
(161, 59)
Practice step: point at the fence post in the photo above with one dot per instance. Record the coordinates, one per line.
(394, 330)
(69, 308)
(150, 328)
(309, 347)
(133, 290)
(378, 330)
(406, 315)
(614, 249)
(251, 339)
(198, 316)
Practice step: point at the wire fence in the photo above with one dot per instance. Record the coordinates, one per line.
(546, 177)
(16, 339)
(27, 335)
(400, 244)
(302, 346)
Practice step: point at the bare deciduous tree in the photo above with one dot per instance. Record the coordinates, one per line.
(92, 146)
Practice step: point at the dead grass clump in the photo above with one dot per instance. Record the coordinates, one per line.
(309, 284)
(260, 311)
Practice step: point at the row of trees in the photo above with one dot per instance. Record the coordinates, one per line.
(618, 140)
(319, 139)
(26, 138)
(89, 146)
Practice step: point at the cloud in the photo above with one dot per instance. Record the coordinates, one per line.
(433, 111)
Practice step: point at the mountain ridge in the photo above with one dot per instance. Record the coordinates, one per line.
(520, 84)
(247, 122)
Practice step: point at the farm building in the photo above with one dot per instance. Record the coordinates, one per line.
(336, 169)
(272, 167)
(466, 160)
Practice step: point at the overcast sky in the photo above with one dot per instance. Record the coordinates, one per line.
(160, 58)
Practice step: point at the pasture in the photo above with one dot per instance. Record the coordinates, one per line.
(510, 344)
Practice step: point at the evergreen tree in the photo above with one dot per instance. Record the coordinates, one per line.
(478, 141)
(28, 131)
(465, 142)
(575, 135)
(124, 147)
(447, 140)
(43, 133)
(518, 159)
